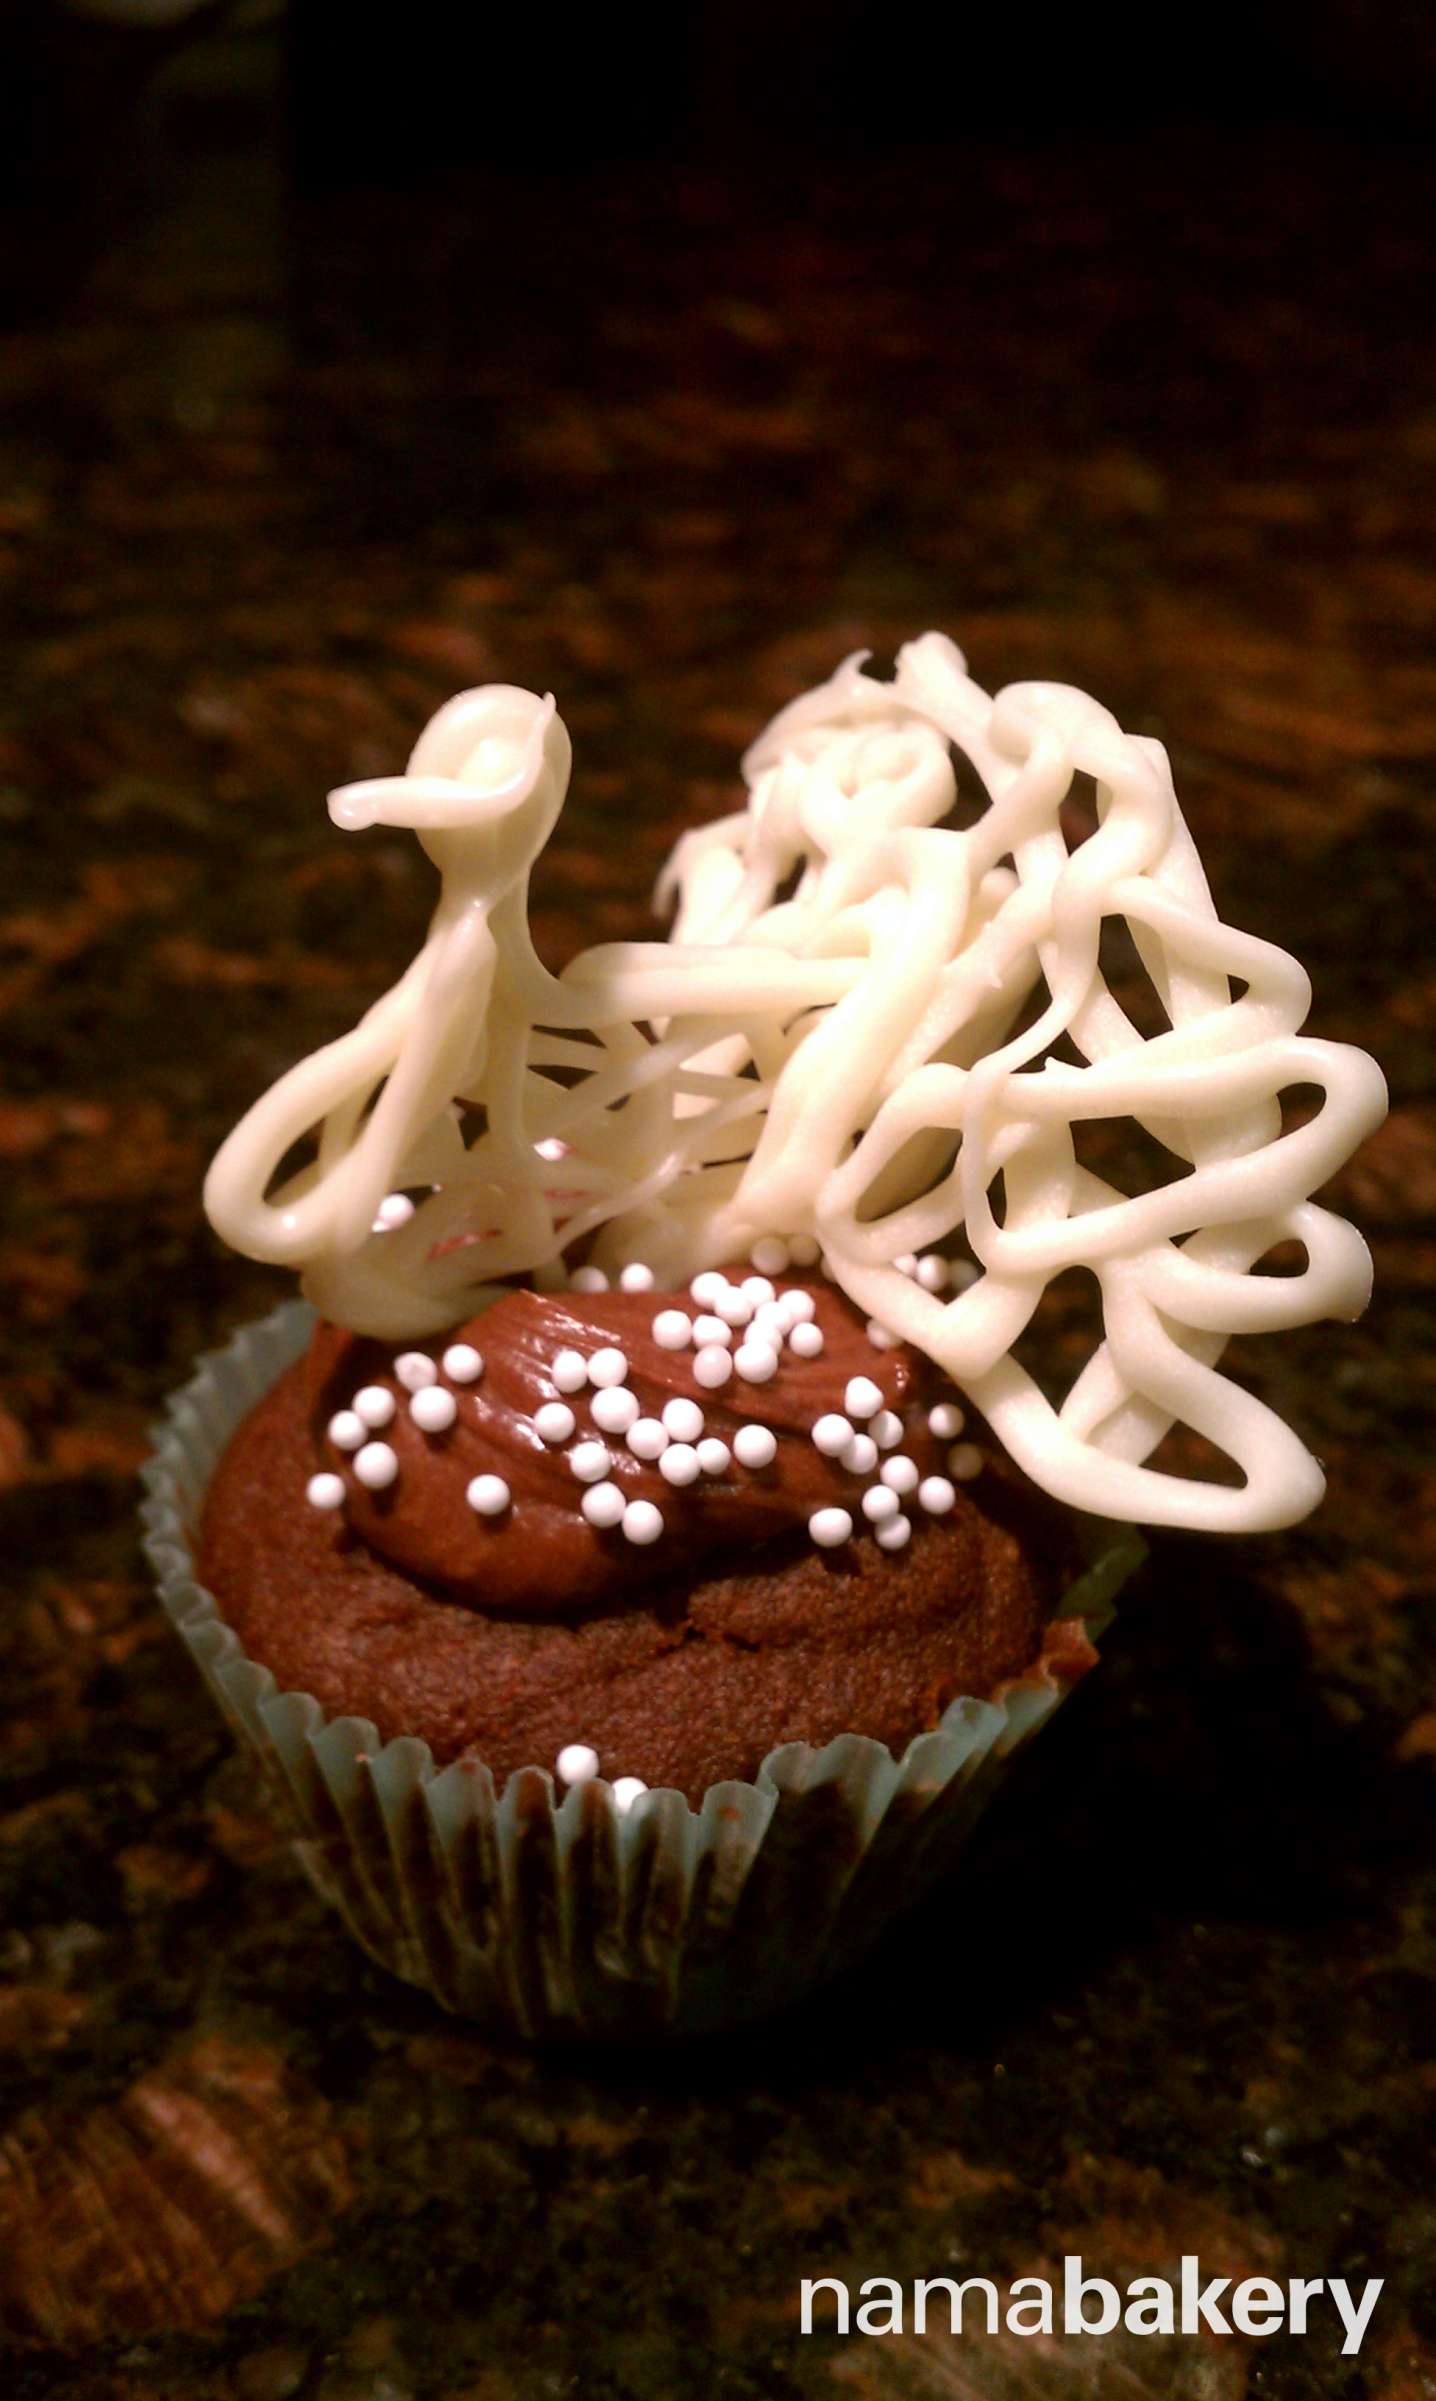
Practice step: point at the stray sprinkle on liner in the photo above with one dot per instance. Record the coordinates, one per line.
(577, 1763)
(626, 1791)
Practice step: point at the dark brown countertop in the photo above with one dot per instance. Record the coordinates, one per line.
(1158, 418)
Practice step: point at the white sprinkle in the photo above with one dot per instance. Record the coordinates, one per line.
(797, 1306)
(708, 1285)
(487, 1496)
(756, 1362)
(769, 1324)
(860, 1456)
(554, 1421)
(394, 1211)
(831, 1435)
(713, 1456)
(936, 1495)
(683, 1419)
(551, 1148)
(892, 1533)
(880, 1338)
(636, 1278)
(647, 1439)
(829, 1527)
(629, 1789)
(415, 1370)
(680, 1464)
(615, 1409)
(900, 1473)
(906, 1263)
(886, 1429)
(577, 1763)
(862, 1398)
(806, 1340)
(589, 1279)
(641, 1522)
(932, 1272)
(433, 1410)
(945, 1420)
(802, 1249)
(462, 1363)
(770, 1254)
(376, 1465)
(712, 1366)
(346, 1430)
(879, 1502)
(708, 1330)
(759, 1290)
(755, 1446)
(375, 1404)
(603, 1505)
(733, 1305)
(325, 1492)
(569, 1372)
(672, 1330)
(607, 1367)
(589, 1461)
(964, 1461)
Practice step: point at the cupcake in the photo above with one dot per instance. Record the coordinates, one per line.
(637, 1562)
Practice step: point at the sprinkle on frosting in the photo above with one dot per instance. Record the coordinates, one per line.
(346, 1430)
(462, 1363)
(415, 1369)
(829, 1527)
(434, 1409)
(755, 1446)
(672, 1330)
(642, 1522)
(589, 1461)
(603, 1504)
(376, 1466)
(487, 1496)
(325, 1492)
(374, 1405)
(554, 1422)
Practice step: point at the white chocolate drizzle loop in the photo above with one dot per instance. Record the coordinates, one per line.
(832, 1045)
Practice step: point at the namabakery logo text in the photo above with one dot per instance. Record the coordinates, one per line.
(1260, 2305)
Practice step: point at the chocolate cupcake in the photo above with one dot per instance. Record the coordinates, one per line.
(630, 1619)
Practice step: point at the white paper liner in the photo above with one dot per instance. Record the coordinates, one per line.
(572, 1918)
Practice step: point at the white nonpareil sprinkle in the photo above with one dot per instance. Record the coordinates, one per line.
(394, 1210)
(936, 1495)
(708, 1285)
(906, 1263)
(860, 1456)
(415, 1370)
(682, 1418)
(589, 1461)
(345, 1430)
(831, 1435)
(325, 1492)
(945, 1420)
(375, 1404)
(797, 1306)
(642, 1522)
(569, 1372)
(636, 1277)
(880, 1337)
(577, 1763)
(672, 1330)
(862, 1398)
(714, 1456)
(900, 1474)
(806, 1339)
(487, 1496)
(932, 1272)
(554, 1421)
(680, 1464)
(708, 1330)
(829, 1527)
(756, 1362)
(589, 1279)
(603, 1505)
(892, 1533)
(626, 1791)
(733, 1305)
(802, 1249)
(712, 1366)
(964, 1461)
(647, 1439)
(615, 1409)
(759, 1291)
(551, 1148)
(376, 1465)
(879, 1502)
(434, 1409)
(886, 1429)
(462, 1363)
(755, 1446)
(607, 1367)
(769, 1324)
(770, 1254)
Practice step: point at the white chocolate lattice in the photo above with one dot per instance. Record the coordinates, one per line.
(841, 1062)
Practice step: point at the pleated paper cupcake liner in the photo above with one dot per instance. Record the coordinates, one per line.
(566, 1917)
